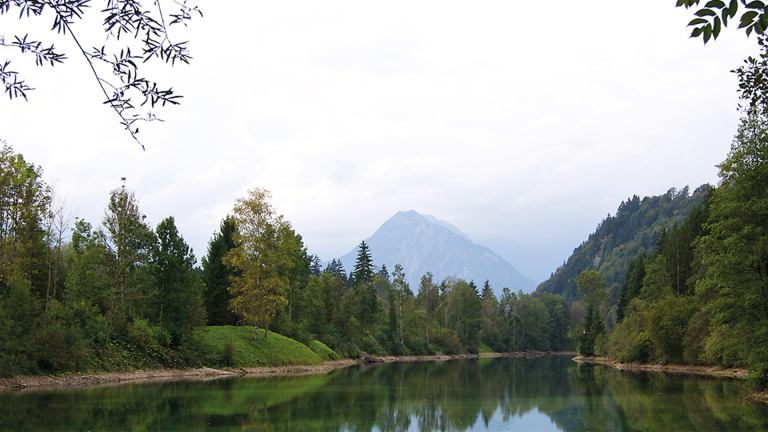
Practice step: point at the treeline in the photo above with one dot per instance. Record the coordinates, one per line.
(369, 310)
(124, 294)
(702, 296)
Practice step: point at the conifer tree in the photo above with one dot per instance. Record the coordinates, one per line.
(217, 276)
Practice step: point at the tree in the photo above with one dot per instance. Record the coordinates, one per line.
(336, 268)
(261, 259)
(591, 287)
(363, 272)
(128, 240)
(124, 21)
(428, 294)
(384, 272)
(177, 296)
(735, 252)
(314, 266)
(400, 286)
(217, 276)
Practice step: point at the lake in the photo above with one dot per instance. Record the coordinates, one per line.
(491, 394)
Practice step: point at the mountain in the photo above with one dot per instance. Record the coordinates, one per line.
(621, 238)
(422, 243)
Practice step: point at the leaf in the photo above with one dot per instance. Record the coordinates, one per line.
(697, 32)
(733, 8)
(697, 21)
(755, 5)
(747, 19)
(705, 12)
(715, 4)
(707, 33)
(716, 29)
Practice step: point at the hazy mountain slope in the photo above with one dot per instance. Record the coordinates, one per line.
(619, 239)
(424, 244)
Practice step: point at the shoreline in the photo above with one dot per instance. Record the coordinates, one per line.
(75, 380)
(711, 371)
(714, 371)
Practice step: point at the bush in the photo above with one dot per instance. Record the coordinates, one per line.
(667, 322)
(450, 342)
(161, 336)
(227, 353)
(141, 335)
(60, 349)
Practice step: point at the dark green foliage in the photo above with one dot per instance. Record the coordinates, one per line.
(384, 272)
(216, 276)
(735, 284)
(363, 272)
(632, 285)
(667, 323)
(710, 19)
(336, 269)
(592, 327)
(314, 266)
(176, 300)
(620, 239)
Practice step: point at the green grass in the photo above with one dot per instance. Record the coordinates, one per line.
(322, 350)
(485, 349)
(274, 350)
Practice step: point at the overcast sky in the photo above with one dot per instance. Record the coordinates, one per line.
(517, 125)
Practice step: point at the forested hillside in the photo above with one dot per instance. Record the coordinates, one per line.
(619, 239)
(701, 297)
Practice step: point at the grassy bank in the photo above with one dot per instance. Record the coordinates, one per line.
(231, 346)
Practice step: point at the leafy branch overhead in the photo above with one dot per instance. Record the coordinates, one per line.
(715, 15)
(135, 35)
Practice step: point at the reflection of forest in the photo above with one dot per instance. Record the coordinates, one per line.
(428, 396)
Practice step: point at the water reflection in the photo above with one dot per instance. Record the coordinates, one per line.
(551, 393)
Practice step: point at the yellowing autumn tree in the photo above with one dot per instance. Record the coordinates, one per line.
(261, 259)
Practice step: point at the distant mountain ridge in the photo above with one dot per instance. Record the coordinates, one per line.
(423, 243)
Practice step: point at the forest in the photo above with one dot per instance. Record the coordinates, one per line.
(123, 294)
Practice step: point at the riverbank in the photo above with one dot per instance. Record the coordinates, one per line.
(716, 371)
(80, 380)
(713, 371)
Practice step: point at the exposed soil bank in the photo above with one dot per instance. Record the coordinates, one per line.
(79, 380)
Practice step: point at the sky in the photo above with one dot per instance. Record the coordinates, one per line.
(523, 127)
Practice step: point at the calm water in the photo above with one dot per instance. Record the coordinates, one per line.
(551, 393)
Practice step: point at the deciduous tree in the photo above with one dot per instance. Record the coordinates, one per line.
(261, 258)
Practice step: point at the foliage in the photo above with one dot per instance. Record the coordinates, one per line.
(708, 23)
(263, 241)
(217, 276)
(124, 23)
(736, 280)
(177, 298)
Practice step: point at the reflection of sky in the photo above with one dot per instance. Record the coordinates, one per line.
(531, 421)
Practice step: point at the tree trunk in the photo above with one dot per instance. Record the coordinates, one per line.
(256, 330)
(266, 331)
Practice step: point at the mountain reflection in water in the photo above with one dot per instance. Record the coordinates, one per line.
(548, 393)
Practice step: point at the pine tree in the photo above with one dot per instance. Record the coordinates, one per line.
(217, 276)
(384, 272)
(363, 273)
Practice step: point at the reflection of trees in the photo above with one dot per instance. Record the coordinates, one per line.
(428, 396)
